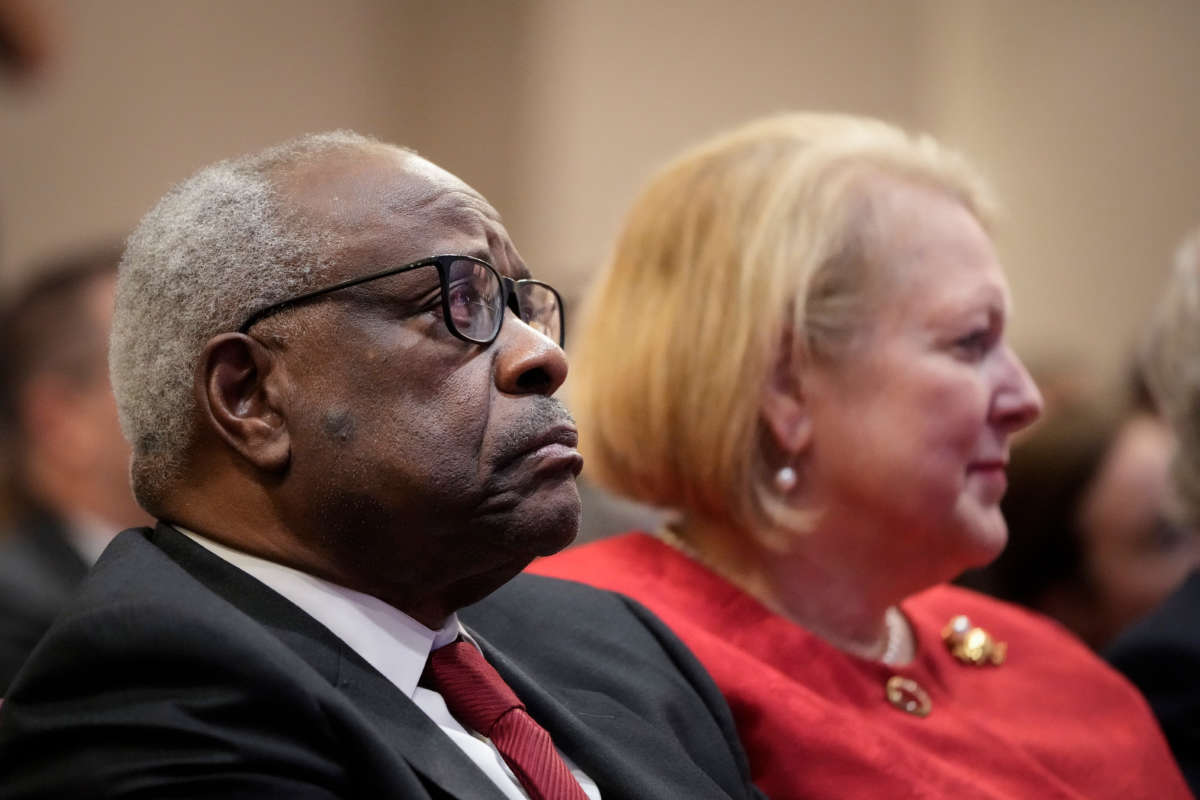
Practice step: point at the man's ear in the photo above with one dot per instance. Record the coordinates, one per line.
(783, 404)
(237, 390)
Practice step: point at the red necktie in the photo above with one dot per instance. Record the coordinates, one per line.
(480, 699)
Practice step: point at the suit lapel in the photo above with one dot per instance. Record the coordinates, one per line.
(412, 735)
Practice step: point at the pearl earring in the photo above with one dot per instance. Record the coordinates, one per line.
(785, 480)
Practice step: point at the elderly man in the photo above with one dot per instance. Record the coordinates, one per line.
(336, 375)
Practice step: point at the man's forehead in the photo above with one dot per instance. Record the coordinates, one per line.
(384, 184)
(387, 204)
(378, 173)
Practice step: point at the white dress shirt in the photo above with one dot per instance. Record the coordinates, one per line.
(390, 641)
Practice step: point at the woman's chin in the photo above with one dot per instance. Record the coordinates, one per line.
(988, 542)
(980, 537)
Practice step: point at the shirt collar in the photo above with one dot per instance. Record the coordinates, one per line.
(388, 639)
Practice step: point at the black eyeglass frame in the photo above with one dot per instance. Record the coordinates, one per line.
(508, 290)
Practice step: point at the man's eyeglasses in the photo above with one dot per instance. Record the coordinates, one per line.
(474, 297)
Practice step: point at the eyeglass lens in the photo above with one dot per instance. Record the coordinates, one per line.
(475, 301)
(539, 309)
(473, 298)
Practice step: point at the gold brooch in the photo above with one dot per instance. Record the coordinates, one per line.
(907, 695)
(972, 645)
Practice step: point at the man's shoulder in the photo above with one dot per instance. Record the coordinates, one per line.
(151, 663)
(135, 581)
(139, 613)
(535, 606)
(528, 587)
(616, 665)
(569, 635)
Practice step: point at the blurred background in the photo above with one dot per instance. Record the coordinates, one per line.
(1084, 113)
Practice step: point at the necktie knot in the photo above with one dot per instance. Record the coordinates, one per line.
(474, 692)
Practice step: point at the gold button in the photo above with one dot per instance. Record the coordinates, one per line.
(972, 645)
(908, 696)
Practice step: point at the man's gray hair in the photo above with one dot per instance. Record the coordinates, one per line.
(1171, 354)
(218, 246)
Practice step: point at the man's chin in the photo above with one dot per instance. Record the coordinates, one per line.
(554, 543)
(555, 518)
(533, 523)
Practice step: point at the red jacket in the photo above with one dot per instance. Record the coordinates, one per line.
(1052, 721)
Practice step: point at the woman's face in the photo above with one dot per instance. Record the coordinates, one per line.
(910, 427)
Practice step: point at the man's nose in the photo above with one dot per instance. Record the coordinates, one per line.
(527, 362)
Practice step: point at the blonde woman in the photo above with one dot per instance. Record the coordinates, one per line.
(799, 344)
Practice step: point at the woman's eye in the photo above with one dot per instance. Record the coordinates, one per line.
(974, 344)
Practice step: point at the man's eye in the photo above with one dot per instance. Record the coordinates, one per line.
(462, 295)
(465, 302)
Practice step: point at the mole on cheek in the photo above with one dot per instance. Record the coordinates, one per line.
(339, 425)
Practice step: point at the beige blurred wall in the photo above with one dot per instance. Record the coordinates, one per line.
(1086, 115)
(145, 92)
(1084, 112)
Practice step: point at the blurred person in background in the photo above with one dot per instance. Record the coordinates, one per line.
(799, 343)
(68, 470)
(1092, 542)
(1161, 654)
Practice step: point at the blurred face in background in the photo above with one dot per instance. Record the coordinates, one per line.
(1134, 554)
(78, 459)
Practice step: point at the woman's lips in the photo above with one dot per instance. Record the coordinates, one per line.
(992, 475)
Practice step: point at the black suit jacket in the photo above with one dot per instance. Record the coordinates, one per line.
(39, 571)
(174, 674)
(1161, 655)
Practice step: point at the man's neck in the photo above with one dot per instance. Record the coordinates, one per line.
(243, 526)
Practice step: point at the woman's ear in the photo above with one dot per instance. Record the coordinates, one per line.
(239, 397)
(783, 403)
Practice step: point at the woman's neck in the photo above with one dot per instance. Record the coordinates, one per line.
(840, 599)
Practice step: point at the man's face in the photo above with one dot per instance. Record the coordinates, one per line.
(415, 456)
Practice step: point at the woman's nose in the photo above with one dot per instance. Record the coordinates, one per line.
(1019, 402)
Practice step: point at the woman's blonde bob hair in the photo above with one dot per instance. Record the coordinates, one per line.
(744, 245)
